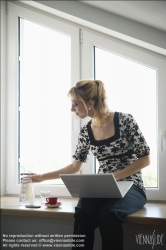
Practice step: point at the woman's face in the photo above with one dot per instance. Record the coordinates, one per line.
(78, 108)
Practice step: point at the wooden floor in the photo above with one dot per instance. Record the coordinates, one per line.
(153, 213)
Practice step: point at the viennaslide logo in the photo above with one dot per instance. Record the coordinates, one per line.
(153, 239)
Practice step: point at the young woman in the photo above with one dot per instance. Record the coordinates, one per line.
(117, 142)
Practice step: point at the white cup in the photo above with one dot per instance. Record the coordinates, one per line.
(44, 195)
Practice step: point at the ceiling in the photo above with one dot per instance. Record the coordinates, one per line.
(151, 13)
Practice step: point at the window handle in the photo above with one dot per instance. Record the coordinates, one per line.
(163, 138)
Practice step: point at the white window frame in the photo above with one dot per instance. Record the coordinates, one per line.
(15, 11)
(82, 67)
(143, 56)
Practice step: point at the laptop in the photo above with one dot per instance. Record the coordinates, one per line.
(95, 185)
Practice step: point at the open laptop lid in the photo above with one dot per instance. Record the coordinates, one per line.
(95, 185)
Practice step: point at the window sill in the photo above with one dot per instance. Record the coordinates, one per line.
(10, 206)
(153, 213)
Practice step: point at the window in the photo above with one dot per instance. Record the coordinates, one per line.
(32, 86)
(127, 84)
(43, 60)
(123, 66)
(44, 80)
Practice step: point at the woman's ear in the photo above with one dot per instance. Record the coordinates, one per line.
(91, 104)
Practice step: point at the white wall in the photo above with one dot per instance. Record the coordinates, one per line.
(109, 23)
(15, 225)
(3, 24)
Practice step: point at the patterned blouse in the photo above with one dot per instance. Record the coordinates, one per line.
(116, 152)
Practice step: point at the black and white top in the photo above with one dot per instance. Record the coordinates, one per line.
(117, 152)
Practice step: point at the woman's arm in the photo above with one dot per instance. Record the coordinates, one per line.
(73, 168)
(137, 165)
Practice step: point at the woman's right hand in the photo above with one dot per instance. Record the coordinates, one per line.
(73, 168)
(34, 177)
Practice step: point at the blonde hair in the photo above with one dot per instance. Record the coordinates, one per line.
(86, 90)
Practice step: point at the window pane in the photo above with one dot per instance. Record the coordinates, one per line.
(131, 88)
(45, 78)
